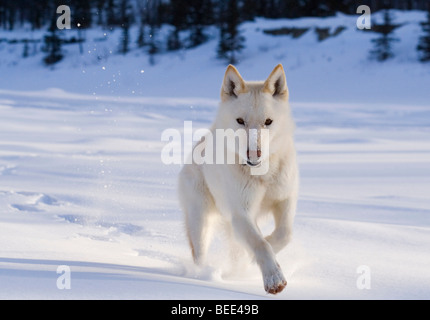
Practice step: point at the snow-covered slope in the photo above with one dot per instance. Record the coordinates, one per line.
(82, 183)
(315, 70)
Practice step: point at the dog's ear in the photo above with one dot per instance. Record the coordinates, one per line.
(233, 84)
(276, 83)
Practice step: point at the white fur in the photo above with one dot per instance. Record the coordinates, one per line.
(232, 192)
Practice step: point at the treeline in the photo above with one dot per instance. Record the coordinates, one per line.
(189, 17)
(181, 13)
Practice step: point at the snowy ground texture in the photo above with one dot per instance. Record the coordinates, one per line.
(82, 183)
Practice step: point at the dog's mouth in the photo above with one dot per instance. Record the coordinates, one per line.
(253, 164)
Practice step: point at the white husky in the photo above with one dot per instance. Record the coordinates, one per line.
(231, 190)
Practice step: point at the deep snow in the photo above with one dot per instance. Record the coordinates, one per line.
(82, 183)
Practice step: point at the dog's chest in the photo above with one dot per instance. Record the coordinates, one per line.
(277, 189)
(277, 184)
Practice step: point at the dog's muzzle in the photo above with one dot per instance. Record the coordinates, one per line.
(253, 158)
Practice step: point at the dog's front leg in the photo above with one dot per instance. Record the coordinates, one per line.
(249, 234)
(283, 214)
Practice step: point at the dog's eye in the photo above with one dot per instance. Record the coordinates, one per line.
(268, 122)
(240, 121)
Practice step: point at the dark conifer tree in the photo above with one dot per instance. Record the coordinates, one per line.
(231, 41)
(178, 13)
(111, 13)
(82, 14)
(25, 52)
(52, 44)
(424, 42)
(290, 8)
(142, 7)
(125, 20)
(37, 14)
(248, 10)
(82, 18)
(200, 14)
(383, 50)
(154, 22)
(99, 10)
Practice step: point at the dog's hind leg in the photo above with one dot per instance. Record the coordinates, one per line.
(198, 231)
(197, 206)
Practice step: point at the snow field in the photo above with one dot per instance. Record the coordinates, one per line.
(84, 186)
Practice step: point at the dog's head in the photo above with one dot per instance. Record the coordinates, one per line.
(252, 106)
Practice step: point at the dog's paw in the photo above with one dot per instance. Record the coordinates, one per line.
(274, 282)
